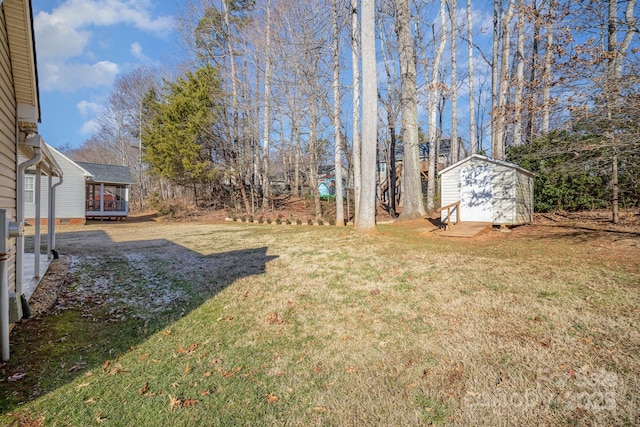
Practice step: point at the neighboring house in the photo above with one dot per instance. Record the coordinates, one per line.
(19, 118)
(107, 191)
(70, 195)
(89, 190)
(488, 190)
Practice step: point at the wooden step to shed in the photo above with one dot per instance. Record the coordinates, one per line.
(467, 229)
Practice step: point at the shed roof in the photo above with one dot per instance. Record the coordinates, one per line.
(112, 174)
(489, 160)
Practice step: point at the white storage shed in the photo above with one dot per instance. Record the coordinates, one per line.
(488, 190)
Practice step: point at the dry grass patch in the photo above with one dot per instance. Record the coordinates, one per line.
(320, 326)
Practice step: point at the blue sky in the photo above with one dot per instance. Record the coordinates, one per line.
(83, 45)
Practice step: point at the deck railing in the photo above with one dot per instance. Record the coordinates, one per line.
(108, 206)
(449, 208)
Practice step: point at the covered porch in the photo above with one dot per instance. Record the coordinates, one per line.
(107, 191)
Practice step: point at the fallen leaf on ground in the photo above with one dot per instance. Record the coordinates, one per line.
(351, 369)
(144, 389)
(83, 385)
(166, 332)
(271, 398)
(99, 418)
(321, 408)
(16, 377)
(174, 403)
(205, 393)
(207, 374)
(106, 365)
(144, 356)
(77, 367)
(90, 400)
(187, 369)
(187, 403)
(229, 374)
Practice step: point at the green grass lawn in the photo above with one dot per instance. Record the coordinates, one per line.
(247, 325)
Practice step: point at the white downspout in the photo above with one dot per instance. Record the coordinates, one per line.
(20, 217)
(38, 219)
(49, 204)
(52, 215)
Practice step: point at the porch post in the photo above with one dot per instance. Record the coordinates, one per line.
(49, 216)
(101, 198)
(38, 214)
(126, 200)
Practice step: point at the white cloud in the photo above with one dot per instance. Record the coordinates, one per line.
(136, 51)
(73, 76)
(88, 128)
(63, 37)
(87, 108)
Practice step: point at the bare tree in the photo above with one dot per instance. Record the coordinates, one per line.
(366, 220)
(413, 204)
(472, 100)
(337, 140)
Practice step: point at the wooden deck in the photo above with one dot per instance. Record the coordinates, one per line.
(467, 229)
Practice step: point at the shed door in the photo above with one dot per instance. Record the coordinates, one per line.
(476, 199)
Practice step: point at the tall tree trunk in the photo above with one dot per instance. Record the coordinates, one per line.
(533, 79)
(391, 120)
(614, 192)
(235, 105)
(546, 74)
(366, 215)
(453, 12)
(413, 204)
(336, 120)
(495, 47)
(472, 98)
(518, 107)
(501, 124)
(266, 183)
(313, 158)
(355, 71)
(433, 97)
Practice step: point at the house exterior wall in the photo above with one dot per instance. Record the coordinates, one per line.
(70, 195)
(8, 145)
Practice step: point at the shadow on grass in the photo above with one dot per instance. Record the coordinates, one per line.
(150, 285)
(585, 233)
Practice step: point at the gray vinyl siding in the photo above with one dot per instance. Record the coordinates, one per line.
(8, 148)
(70, 195)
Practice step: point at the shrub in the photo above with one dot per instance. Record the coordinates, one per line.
(299, 221)
(309, 222)
(269, 221)
(320, 222)
(288, 221)
(332, 221)
(278, 221)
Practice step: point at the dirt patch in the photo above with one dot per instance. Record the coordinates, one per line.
(47, 291)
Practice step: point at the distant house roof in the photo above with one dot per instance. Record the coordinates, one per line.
(111, 174)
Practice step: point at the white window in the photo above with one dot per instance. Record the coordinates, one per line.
(29, 188)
